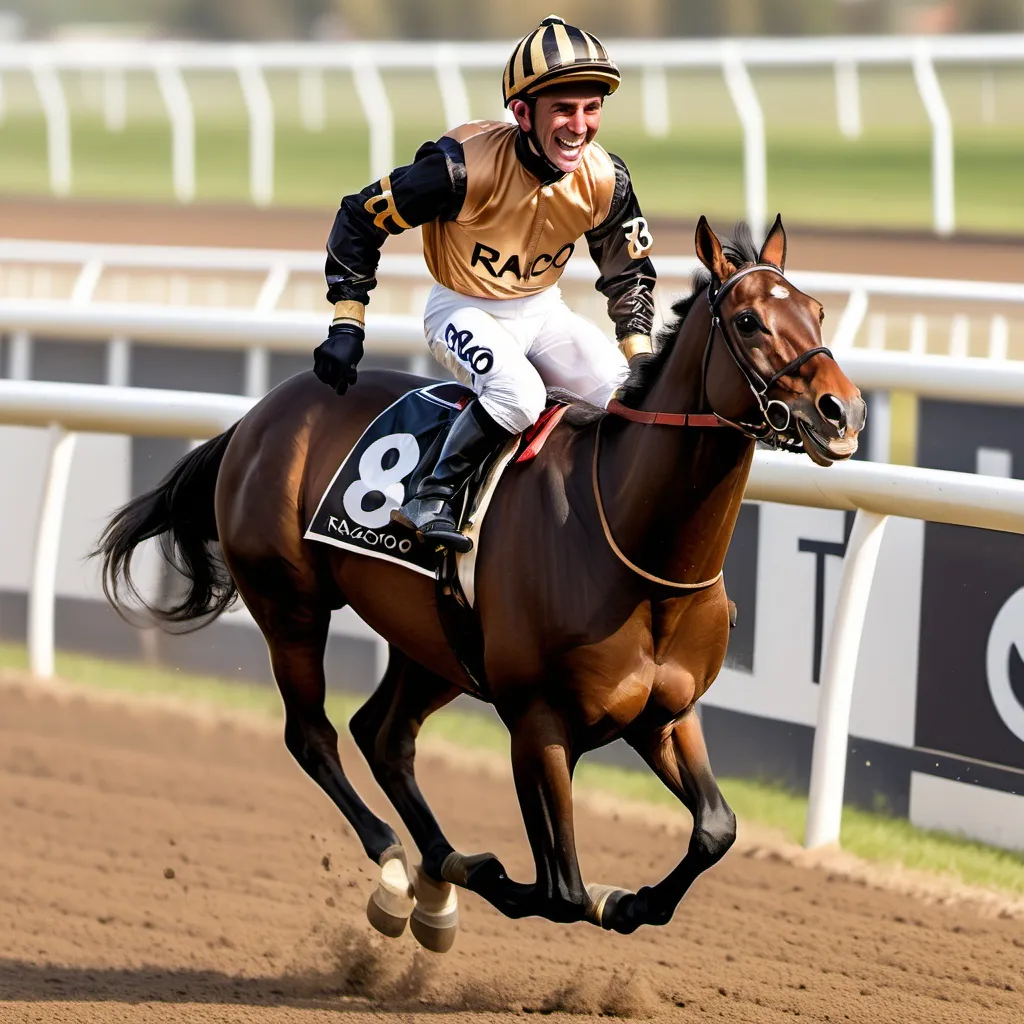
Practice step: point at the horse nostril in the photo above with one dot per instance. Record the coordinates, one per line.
(833, 410)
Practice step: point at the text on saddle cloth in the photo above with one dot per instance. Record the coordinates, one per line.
(382, 470)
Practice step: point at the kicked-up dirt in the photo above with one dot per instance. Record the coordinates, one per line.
(158, 865)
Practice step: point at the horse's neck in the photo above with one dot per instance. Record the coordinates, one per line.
(672, 494)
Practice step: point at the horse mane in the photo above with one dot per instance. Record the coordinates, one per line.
(739, 250)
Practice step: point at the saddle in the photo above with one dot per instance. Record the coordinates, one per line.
(456, 573)
(395, 452)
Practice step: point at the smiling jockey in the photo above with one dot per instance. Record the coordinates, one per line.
(502, 207)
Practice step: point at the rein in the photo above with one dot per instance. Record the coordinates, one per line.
(622, 557)
(767, 431)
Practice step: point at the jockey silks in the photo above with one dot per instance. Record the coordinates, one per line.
(498, 224)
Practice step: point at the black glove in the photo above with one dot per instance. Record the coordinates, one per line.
(334, 361)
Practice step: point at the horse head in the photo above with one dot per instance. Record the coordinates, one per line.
(770, 375)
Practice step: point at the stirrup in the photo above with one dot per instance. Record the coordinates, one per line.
(433, 525)
(448, 536)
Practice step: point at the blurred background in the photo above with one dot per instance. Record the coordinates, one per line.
(455, 19)
(876, 171)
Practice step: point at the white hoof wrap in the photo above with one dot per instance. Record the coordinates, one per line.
(435, 920)
(392, 901)
(598, 900)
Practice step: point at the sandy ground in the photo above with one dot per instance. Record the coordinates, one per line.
(159, 866)
(915, 254)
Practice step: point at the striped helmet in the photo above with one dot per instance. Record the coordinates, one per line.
(554, 53)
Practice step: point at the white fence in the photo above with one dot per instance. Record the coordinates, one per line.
(169, 61)
(875, 492)
(261, 326)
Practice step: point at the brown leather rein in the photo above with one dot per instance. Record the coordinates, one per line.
(758, 432)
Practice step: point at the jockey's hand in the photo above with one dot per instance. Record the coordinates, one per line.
(334, 361)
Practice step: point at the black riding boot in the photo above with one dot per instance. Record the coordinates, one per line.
(473, 436)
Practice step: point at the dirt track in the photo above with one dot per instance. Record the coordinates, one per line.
(914, 254)
(263, 917)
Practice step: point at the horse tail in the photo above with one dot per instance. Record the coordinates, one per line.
(179, 511)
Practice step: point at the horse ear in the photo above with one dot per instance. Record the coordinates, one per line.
(774, 249)
(709, 251)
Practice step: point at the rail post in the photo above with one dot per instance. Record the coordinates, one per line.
(115, 100)
(831, 736)
(43, 589)
(755, 157)
(850, 320)
(654, 82)
(183, 129)
(260, 108)
(848, 99)
(373, 98)
(452, 85)
(58, 124)
(943, 199)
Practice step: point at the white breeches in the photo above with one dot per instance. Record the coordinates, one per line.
(509, 350)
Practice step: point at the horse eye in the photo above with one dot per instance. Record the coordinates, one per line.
(748, 324)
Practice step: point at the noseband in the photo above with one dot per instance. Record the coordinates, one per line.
(766, 431)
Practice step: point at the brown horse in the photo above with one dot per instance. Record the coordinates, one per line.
(598, 584)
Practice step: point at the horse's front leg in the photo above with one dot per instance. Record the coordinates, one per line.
(542, 763)
(680, 759)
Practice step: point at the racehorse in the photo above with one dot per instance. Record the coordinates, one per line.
(599, 586)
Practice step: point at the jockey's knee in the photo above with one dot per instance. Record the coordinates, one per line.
(517, 403)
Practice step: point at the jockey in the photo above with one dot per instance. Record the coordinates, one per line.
(502, 207)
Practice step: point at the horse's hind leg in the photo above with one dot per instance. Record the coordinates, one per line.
(542, 763)
(680, 759)
(296, 634)
(385, 728)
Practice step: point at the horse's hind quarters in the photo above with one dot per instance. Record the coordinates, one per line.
(392, 902)
(435, 919)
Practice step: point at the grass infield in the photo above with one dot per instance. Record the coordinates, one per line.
(882, 181)
(875, 837)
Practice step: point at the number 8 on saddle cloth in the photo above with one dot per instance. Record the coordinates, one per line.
(385, 465)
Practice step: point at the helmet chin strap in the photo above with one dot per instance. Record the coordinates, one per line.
(542, 168)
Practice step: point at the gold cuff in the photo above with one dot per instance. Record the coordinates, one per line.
(635, 344)
(349, 309)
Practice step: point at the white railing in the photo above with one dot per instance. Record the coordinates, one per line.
(262, 326)
(874, 491)
(447, 61)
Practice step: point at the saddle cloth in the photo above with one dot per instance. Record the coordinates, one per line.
(393, 454)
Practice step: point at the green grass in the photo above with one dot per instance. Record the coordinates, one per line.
(814, 175)
(875, 837)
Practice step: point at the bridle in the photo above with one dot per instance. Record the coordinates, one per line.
(767, 431)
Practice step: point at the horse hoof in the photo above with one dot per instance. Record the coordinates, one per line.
(392, 902)
(435, 918)
(601, 902)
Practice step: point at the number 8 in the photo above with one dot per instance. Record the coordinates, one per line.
(374, 477)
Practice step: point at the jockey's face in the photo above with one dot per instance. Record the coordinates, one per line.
(565, 122)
